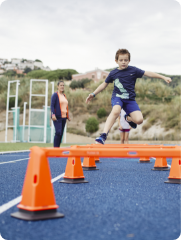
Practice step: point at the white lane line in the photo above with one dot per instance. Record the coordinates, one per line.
(9, 152)
(14, 161)
(58, 177)
(15, 201)
(10, 204)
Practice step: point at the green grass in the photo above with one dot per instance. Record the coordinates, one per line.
(24, 146)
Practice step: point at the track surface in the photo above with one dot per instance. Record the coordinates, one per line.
(123, 200)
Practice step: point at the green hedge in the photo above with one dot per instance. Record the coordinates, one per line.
(52, 75)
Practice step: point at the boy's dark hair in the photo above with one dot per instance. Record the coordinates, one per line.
(122, 51)
(59, 82)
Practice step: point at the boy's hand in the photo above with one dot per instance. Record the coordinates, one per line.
(89, 98)
(167, 79)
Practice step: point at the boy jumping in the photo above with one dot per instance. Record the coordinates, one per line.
(123, 96)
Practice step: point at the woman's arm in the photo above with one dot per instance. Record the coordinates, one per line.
(53, 99)
(156, 75)
(101, 87)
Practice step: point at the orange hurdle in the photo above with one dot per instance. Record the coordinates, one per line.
(89, 163)
(161, 164)
(73, 171)
(142, 159)
(80, 151)
(175, 171)
(134, 152)
(38, 200)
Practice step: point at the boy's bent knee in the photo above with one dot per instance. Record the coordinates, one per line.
(139, 121)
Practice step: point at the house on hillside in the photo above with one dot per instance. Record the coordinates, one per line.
(38, 64)
(16, 60)
(26, 64)
(3, 60)
(9, 66)
(96, 75)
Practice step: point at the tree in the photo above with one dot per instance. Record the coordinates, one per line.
(79, 83)
(27, 70)
(37, 60)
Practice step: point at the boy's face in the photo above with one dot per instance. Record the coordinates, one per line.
(123, 61)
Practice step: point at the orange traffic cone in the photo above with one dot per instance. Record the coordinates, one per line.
(89, 163)
(73, 171)
(144, 160)
(38, 200)
(97, 159)
(161, 164)
(175, 171)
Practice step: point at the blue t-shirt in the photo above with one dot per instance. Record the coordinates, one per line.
(124, 82)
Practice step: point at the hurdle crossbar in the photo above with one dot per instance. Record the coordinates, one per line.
(134, 152)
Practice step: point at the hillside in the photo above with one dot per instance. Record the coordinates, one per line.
(160, 104)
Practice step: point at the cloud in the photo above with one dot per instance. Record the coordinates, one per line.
(86, 34)
(1, 1)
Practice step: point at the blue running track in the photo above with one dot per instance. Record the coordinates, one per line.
(124, 199)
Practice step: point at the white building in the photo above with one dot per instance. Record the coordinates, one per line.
(38, 64)
(25, 65)
(16, 60)
(3, 60)
(19, 63)
(9, 66)
(46, 68)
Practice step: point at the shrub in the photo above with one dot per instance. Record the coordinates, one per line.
(92, 125)
(10, 73)
(12, 102)
(101, 113)
(75, 84)
(80, 83)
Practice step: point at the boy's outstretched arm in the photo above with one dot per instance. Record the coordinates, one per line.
(156, 75)
(98, 90)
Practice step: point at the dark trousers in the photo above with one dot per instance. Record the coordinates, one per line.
(59, 128)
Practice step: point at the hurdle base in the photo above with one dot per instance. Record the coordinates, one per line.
(160, 169)
(37, 215)
(173, 180)
(144, 161)
(98, 161)
(71, 180)
(89, 168)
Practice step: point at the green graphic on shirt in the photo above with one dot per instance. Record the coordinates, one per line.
(125, 94)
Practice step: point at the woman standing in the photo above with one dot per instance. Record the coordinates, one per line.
(59, 112)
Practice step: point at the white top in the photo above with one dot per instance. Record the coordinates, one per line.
(124, 124)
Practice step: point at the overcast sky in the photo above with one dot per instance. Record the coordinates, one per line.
(85, 34)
